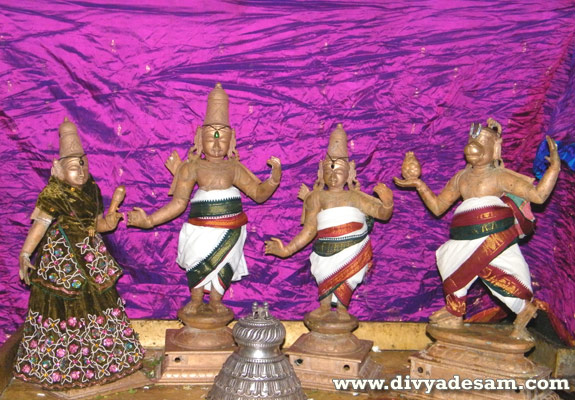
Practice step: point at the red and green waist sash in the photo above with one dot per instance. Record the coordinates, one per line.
(497, 224)
(476, 224)
(330, 242)
(225, 214)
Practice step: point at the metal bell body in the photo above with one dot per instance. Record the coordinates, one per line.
(257, 369)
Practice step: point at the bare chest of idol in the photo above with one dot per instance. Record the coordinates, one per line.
(479, 184)
(331, 199)
(215, 175)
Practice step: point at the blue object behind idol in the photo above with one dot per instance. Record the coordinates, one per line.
(566, 153)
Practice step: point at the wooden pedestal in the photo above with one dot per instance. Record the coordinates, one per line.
(478, 352)
(330, 351)
(317, 371)
(195, 354)
(135, 380)
(182, 366)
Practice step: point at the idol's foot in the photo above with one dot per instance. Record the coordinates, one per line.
(319, 313)
(342, 313)
(521, 334)
(192, 307)
(218, 307)
(445, 319)
(520, 324)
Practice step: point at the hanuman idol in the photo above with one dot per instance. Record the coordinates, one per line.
(211, 242)
(76, 333)
(495, 212)
(341, 219)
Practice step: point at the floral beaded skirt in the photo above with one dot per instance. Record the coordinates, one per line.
(79, 342)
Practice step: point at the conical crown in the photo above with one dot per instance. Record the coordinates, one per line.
(70, 144)
(337, 147)
(218, 107)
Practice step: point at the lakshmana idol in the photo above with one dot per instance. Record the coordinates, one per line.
(76, 333)
(494, 213)
(211, 243)
(341, 219)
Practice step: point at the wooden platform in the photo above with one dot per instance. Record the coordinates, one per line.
(396, 338)
(395, 362)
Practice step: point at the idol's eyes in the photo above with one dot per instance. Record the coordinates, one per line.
(335, 165)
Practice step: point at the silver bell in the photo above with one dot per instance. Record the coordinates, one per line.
(257, 369)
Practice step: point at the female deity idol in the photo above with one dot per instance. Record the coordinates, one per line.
(76, 333)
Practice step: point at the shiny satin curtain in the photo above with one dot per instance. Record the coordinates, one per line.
(399, 76)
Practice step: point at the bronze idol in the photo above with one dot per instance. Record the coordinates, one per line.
(342, 253)
(494, 213)
(76, 334)
(341, 219)
(211, 243)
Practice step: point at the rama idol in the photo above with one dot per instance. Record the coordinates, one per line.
(211, 242)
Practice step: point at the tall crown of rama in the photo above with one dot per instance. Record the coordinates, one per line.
(337, 147)
(217, 112)
(70, 144)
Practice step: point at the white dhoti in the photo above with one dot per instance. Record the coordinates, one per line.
(342, 253)
(207, 245)
(510, 262)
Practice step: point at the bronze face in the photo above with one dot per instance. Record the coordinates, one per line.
(216, 141)
(481, 150)
(335, 173)
(75, 170)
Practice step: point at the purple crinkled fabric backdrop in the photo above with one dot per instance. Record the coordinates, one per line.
(400, 76)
